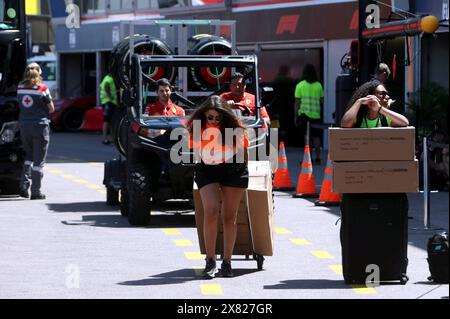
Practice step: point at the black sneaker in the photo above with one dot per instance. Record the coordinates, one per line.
(225, 269)
(38, 196)
(24, 193)
(210, 268)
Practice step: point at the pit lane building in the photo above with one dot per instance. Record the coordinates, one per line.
(285, 34)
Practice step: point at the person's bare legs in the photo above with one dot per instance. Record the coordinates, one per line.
(210, 195)
(231, 197)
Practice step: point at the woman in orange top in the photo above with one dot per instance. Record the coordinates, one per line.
(221, 175)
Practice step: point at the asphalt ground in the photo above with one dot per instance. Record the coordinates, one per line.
(72, 245)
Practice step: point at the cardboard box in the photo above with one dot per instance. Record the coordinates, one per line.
(372, 144)
(243, 245)
(255, 215)
(260, 201)
(376, 177)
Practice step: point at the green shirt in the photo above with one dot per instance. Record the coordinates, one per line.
(112, 86)
(309, 95)
(368, 123)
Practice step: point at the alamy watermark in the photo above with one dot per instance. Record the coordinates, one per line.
(73, 18)
(373, 19)
(211, 146)
(373, 279)
(73, 276)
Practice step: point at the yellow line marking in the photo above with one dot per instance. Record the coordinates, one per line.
(102, 191)
(336, 268)
(300, 241)
(211, 289)
(96, 164)
(171, 231)
(80, 181)
(282, 231)
(193, 255)
(322, 254)
(363, 290)
(68, 176)
(94, 186)
(183, 242)
(55, 171)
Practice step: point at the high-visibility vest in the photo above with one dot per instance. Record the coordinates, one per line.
(309, 95)
(103, 96)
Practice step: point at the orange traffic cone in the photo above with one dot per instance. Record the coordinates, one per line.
(282, 181)
(306, 186)
(327, 196)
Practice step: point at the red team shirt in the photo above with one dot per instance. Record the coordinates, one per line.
(158, 109)
(248, 100)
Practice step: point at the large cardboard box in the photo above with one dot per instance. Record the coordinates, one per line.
(376, 177)
(372, 144)
(255, 215)
(261, 209)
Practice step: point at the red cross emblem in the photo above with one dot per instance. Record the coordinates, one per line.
(27, 101)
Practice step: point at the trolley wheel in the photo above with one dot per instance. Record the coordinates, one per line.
(404, 279)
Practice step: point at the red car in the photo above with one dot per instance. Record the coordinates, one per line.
(75, 114)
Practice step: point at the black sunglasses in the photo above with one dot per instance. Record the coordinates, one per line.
(214, 118)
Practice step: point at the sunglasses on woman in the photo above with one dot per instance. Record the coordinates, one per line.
(214, 118)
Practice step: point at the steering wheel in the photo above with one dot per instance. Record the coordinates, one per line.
(244, 108)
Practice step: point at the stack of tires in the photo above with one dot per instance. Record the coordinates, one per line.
(205, 78)
(134, 191)
(144, 45)
(119, 68)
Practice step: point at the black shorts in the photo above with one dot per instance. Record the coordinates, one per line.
(303, 123)
(225, 174)
(108, 111)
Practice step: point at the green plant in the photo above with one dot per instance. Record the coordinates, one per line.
(428, 110)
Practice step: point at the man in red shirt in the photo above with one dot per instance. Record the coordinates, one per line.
(238, 95)
(164, 106)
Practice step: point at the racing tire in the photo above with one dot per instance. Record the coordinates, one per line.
(143, 44)
(120, 126)
(139, 195)
(72, 120)
(204, 78)
(112, 196)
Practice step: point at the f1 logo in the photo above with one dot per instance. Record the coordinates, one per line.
(288, 23)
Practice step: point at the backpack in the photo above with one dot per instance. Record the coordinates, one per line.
(438, 258)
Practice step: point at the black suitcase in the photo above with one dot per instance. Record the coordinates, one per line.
(438, 264)
(374, 231)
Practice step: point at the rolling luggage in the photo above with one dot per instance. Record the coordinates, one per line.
(374, 236)
(437, 249)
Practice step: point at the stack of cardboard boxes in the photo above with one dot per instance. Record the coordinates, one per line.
(375, 160)
(255, 215)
